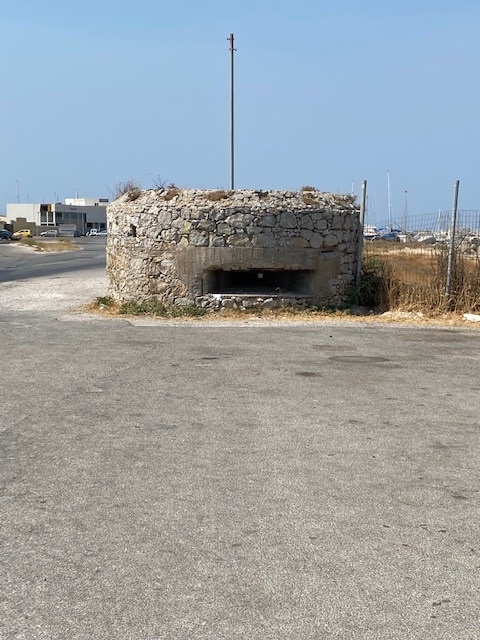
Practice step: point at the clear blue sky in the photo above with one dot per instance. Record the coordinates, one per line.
(328, 93)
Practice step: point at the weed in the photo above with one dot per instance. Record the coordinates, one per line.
(151, 307)
(187, 310)
(373, 289)
(104, 301)
(154, 307)
(328, 309)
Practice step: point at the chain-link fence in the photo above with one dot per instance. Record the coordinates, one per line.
(428, 229)
(427, 261)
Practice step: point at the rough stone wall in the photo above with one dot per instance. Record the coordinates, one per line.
(170, 243)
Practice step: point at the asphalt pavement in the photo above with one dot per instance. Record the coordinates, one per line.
(17, 262)
(190, 481)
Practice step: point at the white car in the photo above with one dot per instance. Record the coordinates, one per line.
(97, 232)
(49, 233)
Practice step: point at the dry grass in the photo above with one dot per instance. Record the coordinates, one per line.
(62, 244)
(129, 187)
(416, 279)
(171, 193)
(215, 196)
(309, 195)
(108, 308)
(134, 194)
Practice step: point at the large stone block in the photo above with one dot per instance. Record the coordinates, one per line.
(288, 220)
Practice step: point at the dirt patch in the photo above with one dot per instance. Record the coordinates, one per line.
(62, 244)
(283, 316)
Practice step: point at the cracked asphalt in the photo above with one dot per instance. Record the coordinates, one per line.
(188, 481)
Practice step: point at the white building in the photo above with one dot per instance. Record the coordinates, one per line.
(83, 213)
(87, 202)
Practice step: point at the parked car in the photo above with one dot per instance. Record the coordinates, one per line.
(390, 236)
(425, 238)
(22, 233)
(97, 232)
(50, 233)
(5, 234)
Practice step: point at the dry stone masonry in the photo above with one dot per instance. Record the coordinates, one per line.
(232, 249)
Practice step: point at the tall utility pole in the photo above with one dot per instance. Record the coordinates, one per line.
(451, 249)
(363, 209)
(389, 202)
(231, 39)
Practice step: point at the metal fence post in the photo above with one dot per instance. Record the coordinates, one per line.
(451, 248)
(360, 239)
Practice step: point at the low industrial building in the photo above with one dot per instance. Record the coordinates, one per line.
(76, 216)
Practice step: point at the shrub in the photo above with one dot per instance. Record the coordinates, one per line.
(130, 187)
(134, 194)
(373, 289)
(159, 183)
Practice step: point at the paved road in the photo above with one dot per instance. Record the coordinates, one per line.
(209, 482)
(18, 263)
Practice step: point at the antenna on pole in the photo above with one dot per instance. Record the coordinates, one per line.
(18, 192)
(231, 39)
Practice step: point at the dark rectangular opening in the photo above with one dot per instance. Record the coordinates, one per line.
(259, 282)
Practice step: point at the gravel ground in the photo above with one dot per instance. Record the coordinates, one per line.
(51, 294)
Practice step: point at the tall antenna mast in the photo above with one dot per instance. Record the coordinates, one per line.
(231, 39)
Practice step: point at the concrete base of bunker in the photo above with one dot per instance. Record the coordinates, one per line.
(241, 249)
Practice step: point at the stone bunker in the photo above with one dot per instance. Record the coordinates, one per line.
(232, 249)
